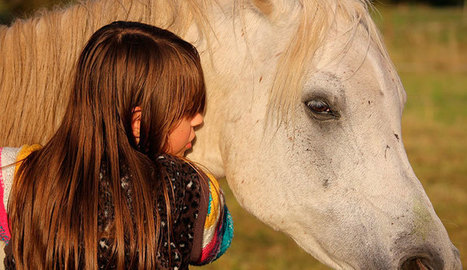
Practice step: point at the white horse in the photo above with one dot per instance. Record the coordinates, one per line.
(304, 111)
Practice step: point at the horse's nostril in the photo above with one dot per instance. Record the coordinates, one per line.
(421, 258)
(416, 263)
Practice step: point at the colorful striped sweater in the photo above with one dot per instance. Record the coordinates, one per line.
(210, 241)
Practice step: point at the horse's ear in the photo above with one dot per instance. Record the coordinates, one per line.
(264, 6)
(273, 8)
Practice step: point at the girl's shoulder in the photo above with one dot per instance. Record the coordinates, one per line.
(14, 154)
(184, 180)
(175, 166)
(213, 225)
(201, 214)
(10, 160)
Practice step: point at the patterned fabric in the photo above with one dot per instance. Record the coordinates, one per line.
(218, 227)
(184, 181)
(195, 220)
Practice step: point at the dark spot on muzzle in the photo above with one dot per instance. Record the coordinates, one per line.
(325, 183)
(397, 136)
(386, 150)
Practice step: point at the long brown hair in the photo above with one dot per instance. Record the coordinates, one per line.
(54, 203)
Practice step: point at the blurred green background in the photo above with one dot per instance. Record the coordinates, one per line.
(427, 41)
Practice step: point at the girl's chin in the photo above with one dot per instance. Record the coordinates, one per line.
(181, 152)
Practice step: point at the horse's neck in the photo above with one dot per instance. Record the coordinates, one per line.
(239, 54)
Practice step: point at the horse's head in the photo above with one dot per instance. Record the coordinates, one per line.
(353, 197)
(310, 135)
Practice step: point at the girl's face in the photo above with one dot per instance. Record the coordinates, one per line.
(182, 135)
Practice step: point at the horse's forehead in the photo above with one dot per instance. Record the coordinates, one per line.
(353, 63)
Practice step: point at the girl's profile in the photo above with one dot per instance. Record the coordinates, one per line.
(111, 188)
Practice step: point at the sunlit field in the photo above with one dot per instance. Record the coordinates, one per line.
(429, 49)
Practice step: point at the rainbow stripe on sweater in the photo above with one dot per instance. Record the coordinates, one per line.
(218, 227)
(4, 230)
(9, 163)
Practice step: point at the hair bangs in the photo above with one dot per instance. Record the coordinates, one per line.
(194, 100)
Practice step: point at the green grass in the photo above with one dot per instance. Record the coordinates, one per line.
(438, 98)
(422, 39)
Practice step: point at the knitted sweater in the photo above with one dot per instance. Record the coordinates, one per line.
(202, 228)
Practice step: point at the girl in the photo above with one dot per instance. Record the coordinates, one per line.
(111, 188)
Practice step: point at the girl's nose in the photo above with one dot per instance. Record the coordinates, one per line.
(197, 120)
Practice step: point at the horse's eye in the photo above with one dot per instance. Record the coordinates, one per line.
(318, 106)
(321, 110)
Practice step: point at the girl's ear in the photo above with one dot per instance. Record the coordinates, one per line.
(136, 122)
